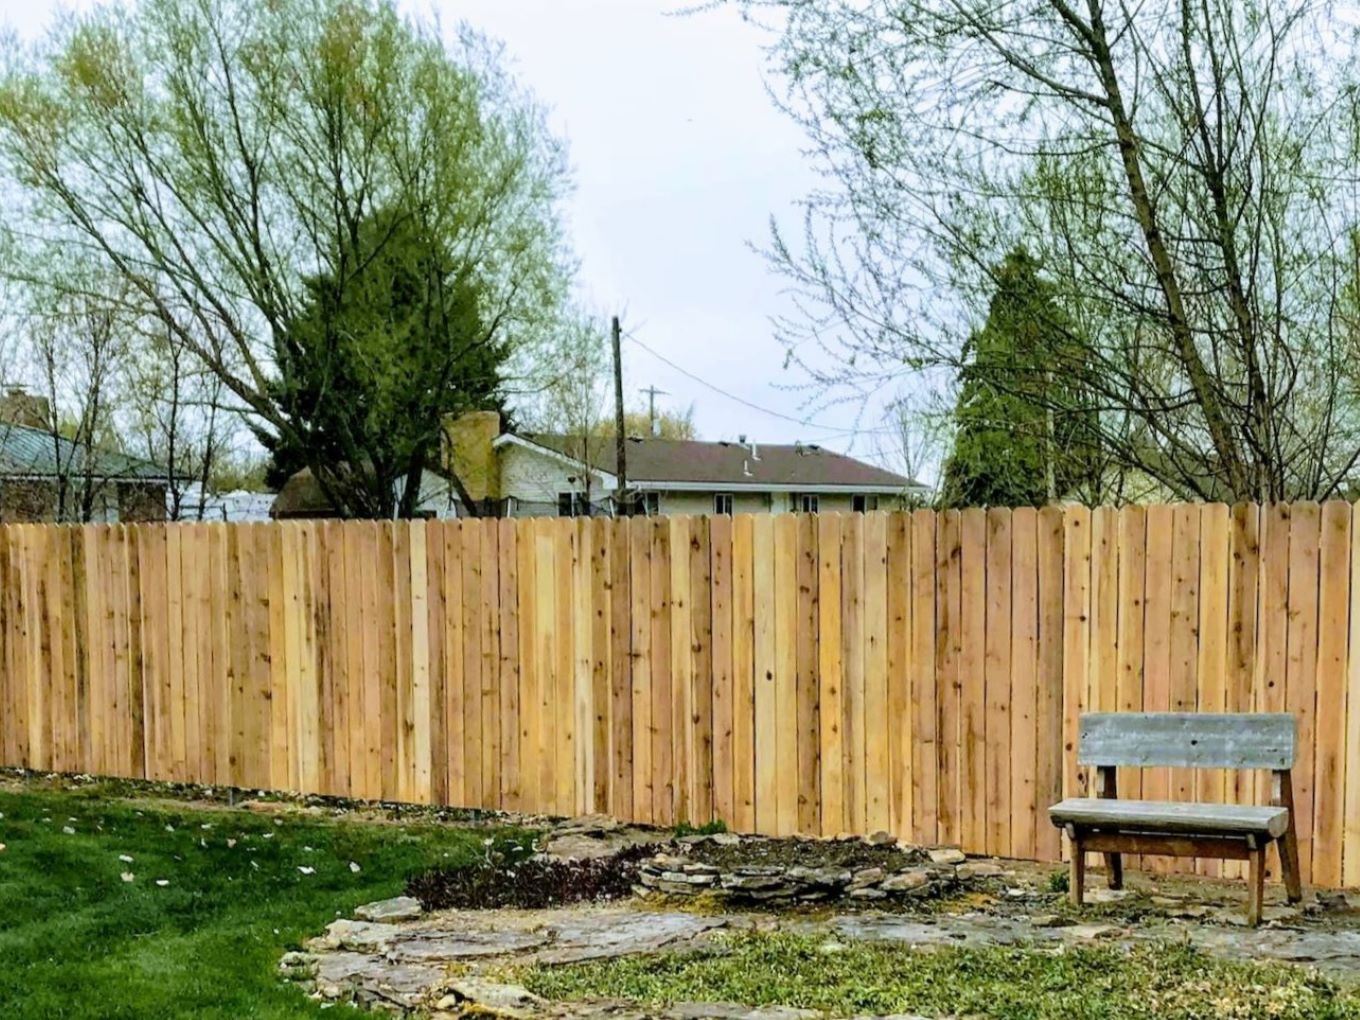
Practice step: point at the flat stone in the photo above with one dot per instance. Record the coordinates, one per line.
(906, 881)
(754, 883)
(1094, 932)
(398, 908)
(490, 997)
(619, 933)
(867, 876)
(947, 855)
(580, 846)
(372, 978)
(591, 825)
(735, 1011)
(979, 869)
(827, 876)
(880, 838)
(347, 934)
(868, 892)
(1050, 921)
(686, 878)
(700, 868)
(465, 944)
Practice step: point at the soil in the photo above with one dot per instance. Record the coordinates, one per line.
(534, 883)
(851, 855)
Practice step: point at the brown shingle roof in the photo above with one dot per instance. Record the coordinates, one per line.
(728, 463)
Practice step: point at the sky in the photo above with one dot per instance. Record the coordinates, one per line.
(679, 160)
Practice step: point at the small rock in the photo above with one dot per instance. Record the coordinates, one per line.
(398, 908)
(906, 881)
(1098, 896)
(1094, 932)
(947, 855)
(979, 869)
(1050, 921)
(880, 838)
(1332, 900)
(68, 830)
(725, 839)
(127, 876)
(868, 892)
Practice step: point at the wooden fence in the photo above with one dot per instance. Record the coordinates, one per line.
(920, 673)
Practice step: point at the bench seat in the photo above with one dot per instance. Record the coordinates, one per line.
(1171, 817)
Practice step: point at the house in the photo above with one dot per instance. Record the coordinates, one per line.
(527, 474)
(45, 476)
(301, 498)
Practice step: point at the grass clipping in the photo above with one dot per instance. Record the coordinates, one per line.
(846, 979)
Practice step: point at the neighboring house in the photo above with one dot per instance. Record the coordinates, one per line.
(554, 475)
(302, 497)
(40, 471)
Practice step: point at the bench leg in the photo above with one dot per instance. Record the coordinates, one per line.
(1256, 884)
(1289, 865)
(1076, 882)
(1282, 795)
(1114, 870)
(1107, 788)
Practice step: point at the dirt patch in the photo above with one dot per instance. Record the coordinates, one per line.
(512, 880)
(849, 854)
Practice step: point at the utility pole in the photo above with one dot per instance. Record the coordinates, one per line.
(620, 440)
(652, 393)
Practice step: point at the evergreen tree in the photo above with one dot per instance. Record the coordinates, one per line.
(1023, 425)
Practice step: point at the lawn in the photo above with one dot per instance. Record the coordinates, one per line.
(214, 897)
(863, 978)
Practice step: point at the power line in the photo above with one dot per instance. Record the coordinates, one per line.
(837, 430)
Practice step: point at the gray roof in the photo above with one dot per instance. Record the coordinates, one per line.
(28, 453)
(804, 465)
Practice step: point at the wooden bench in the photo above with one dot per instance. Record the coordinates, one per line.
(1110, 826)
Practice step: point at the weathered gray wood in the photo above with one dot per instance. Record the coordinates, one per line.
(1188, 740)
(1158, 816)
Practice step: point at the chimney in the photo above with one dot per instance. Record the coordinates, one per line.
(468, 452)
(19, 407)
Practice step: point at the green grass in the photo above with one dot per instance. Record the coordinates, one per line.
(78, 941)
(847, 979)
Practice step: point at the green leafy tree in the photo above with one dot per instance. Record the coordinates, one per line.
(374, 364)
(269, 179)
(1024, 435)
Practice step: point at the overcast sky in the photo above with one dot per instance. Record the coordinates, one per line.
(679, 159)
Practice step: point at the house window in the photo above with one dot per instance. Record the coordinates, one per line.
(572, 504)
(650, 504)
(804, 502)
(862, 504)
(722, 503)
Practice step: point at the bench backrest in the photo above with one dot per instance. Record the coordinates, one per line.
(1188, 740)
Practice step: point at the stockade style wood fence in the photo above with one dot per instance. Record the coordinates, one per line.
(920, 673)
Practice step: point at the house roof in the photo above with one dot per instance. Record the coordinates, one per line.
(682, 462)
(29, 452)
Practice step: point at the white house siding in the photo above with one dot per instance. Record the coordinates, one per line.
(535, 480)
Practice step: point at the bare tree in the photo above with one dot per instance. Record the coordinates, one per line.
(78, 344)
(1185, 171)
(243, 167)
